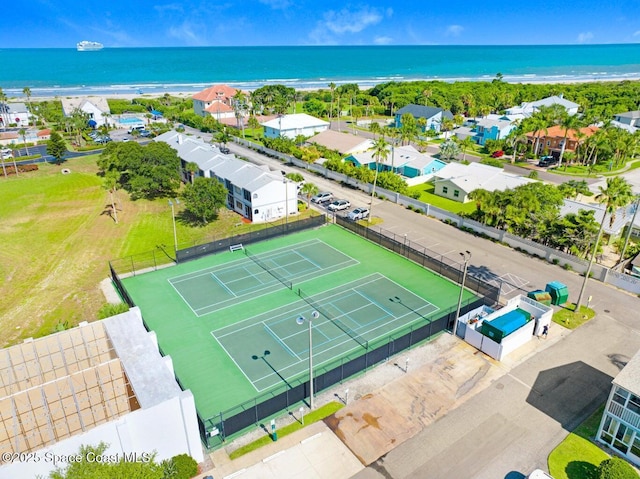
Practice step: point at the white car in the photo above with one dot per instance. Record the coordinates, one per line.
(6, 153)
(358, 214)
(539, 474)
(338, 205)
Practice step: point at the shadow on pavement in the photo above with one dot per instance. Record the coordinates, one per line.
(569, 393)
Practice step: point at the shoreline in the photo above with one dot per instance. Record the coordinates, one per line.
(157, 91)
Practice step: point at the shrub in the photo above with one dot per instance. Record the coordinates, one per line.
(555, 261)
(567, 267)
(615, 468)
(108, 310)
(186, 467)
(533, 175)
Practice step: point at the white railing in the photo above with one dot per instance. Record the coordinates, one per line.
(625, 414)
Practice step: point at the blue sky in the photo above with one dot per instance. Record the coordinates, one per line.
(142, 23)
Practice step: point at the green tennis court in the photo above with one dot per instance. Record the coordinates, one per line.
(213, 314)
(212, 289)
(272, 348)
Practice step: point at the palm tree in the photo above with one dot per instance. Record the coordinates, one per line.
(567, 122)
(374, 127)
(308, 190)
(192, 168)
(3, 109)
(240, 109)
(380, 152)
(617, 194)
(465, 145)
(332, 86)
(27, 92)
(23, 133)
(111, 179)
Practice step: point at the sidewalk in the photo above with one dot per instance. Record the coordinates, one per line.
(391, 403)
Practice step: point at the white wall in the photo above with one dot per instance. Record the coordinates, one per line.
(170, 428)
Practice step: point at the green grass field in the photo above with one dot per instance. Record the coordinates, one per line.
(428, 196)
(203, 366)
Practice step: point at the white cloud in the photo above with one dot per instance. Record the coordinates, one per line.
(169, 7)
(186, 33)
(585, 37)
(382, 40)
(636, 34)
(345, 21)
(454, 30)
(277, 4)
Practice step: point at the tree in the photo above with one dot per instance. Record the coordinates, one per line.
(192, 168)
(27, 92)
(240, 109)
(204, 198)
(465, 145)
(56, 147)
(223, 137)
(617, 194)
(309, 190)
(332, 87)
(380, 152)
(110, 183)
(89, 467)
(449, 150)
(568, 123)
(253, 122)
(615, 468)
(185, 467)
(295, 177)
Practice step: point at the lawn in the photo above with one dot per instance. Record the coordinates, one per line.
(569, 318)
(57, 240)
(577, 457)
(428, 196)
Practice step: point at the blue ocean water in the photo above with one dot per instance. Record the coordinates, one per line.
(49, 72)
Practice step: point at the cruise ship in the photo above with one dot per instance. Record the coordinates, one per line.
(87, 46)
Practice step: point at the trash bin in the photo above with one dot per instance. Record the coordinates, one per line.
(558, 291)
(540, 296)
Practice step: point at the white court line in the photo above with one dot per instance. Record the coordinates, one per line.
(215, 278)
(279, 340)
(234, 361)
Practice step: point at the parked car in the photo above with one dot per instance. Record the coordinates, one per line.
(103, 139)
(224, 150)
(497, 154)
(547, 161)
(323, 197)
(339, 205)
(358, 214)
(145, 133)
(539, 474)
(6, 153)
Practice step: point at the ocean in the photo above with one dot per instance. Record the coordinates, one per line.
(60, 72)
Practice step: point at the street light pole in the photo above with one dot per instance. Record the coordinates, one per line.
(286, 195)
(173, 217)
(467, 256)
(300, 320)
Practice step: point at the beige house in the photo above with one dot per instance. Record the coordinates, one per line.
(96, 108)
(344, 143)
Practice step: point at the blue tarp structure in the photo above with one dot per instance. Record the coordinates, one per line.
(92, 123)
(156, 113)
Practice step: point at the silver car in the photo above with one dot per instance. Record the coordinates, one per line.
(358, 214)
(339, 205)
(323, 197)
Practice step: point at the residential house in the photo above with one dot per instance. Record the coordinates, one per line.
(620, 425)
(403, 160)
(216, 101)
(490, 129)
(14, 114)
(551, 140)
(292, 126)
(254, 192)
(103, 381)
(456, 181)
(623, 216)
(527, 109)
(344, 143)
(96, 109)
(629, 121)
(433, 115)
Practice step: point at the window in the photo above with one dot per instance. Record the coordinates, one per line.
(635, 447)
(246, 195)
(634, 404)
(445, 190)
(456, 193)
(620, 396)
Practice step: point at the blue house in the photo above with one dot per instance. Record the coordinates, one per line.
(403, 160)
(432, 114)
(489, 129)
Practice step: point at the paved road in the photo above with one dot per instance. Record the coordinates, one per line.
(510, 428)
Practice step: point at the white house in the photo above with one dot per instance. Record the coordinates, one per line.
(14, 114)
(620, 424)
(96, 108)
(456, 181)
(215, 101)
(104, 381)
(527, 109)
(254, 191)
(291, 126)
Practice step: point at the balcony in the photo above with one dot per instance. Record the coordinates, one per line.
(624, 414)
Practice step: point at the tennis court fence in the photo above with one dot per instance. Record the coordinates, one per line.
(288, 397)
(436, 262)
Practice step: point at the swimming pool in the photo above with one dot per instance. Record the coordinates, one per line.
(130, 121)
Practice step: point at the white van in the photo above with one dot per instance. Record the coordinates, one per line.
(136, 128)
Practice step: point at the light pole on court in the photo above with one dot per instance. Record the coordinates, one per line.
(466, 256)
(300, 320)
(173, 217)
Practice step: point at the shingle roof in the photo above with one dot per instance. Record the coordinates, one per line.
(421, 111)
(342, 142)
(629, 377)
(297, 120)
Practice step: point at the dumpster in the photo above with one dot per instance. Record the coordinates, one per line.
(558, 291)
(504, 325)
(540, 296)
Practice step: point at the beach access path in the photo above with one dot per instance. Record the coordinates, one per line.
(508, 427)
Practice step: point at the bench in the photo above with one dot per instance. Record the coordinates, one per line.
(236, 247)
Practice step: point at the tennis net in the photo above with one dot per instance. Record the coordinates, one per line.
(259, 262)
(350, 332)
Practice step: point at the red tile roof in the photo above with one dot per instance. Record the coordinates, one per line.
(218, 106)
(558, 132)
(215, 92)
